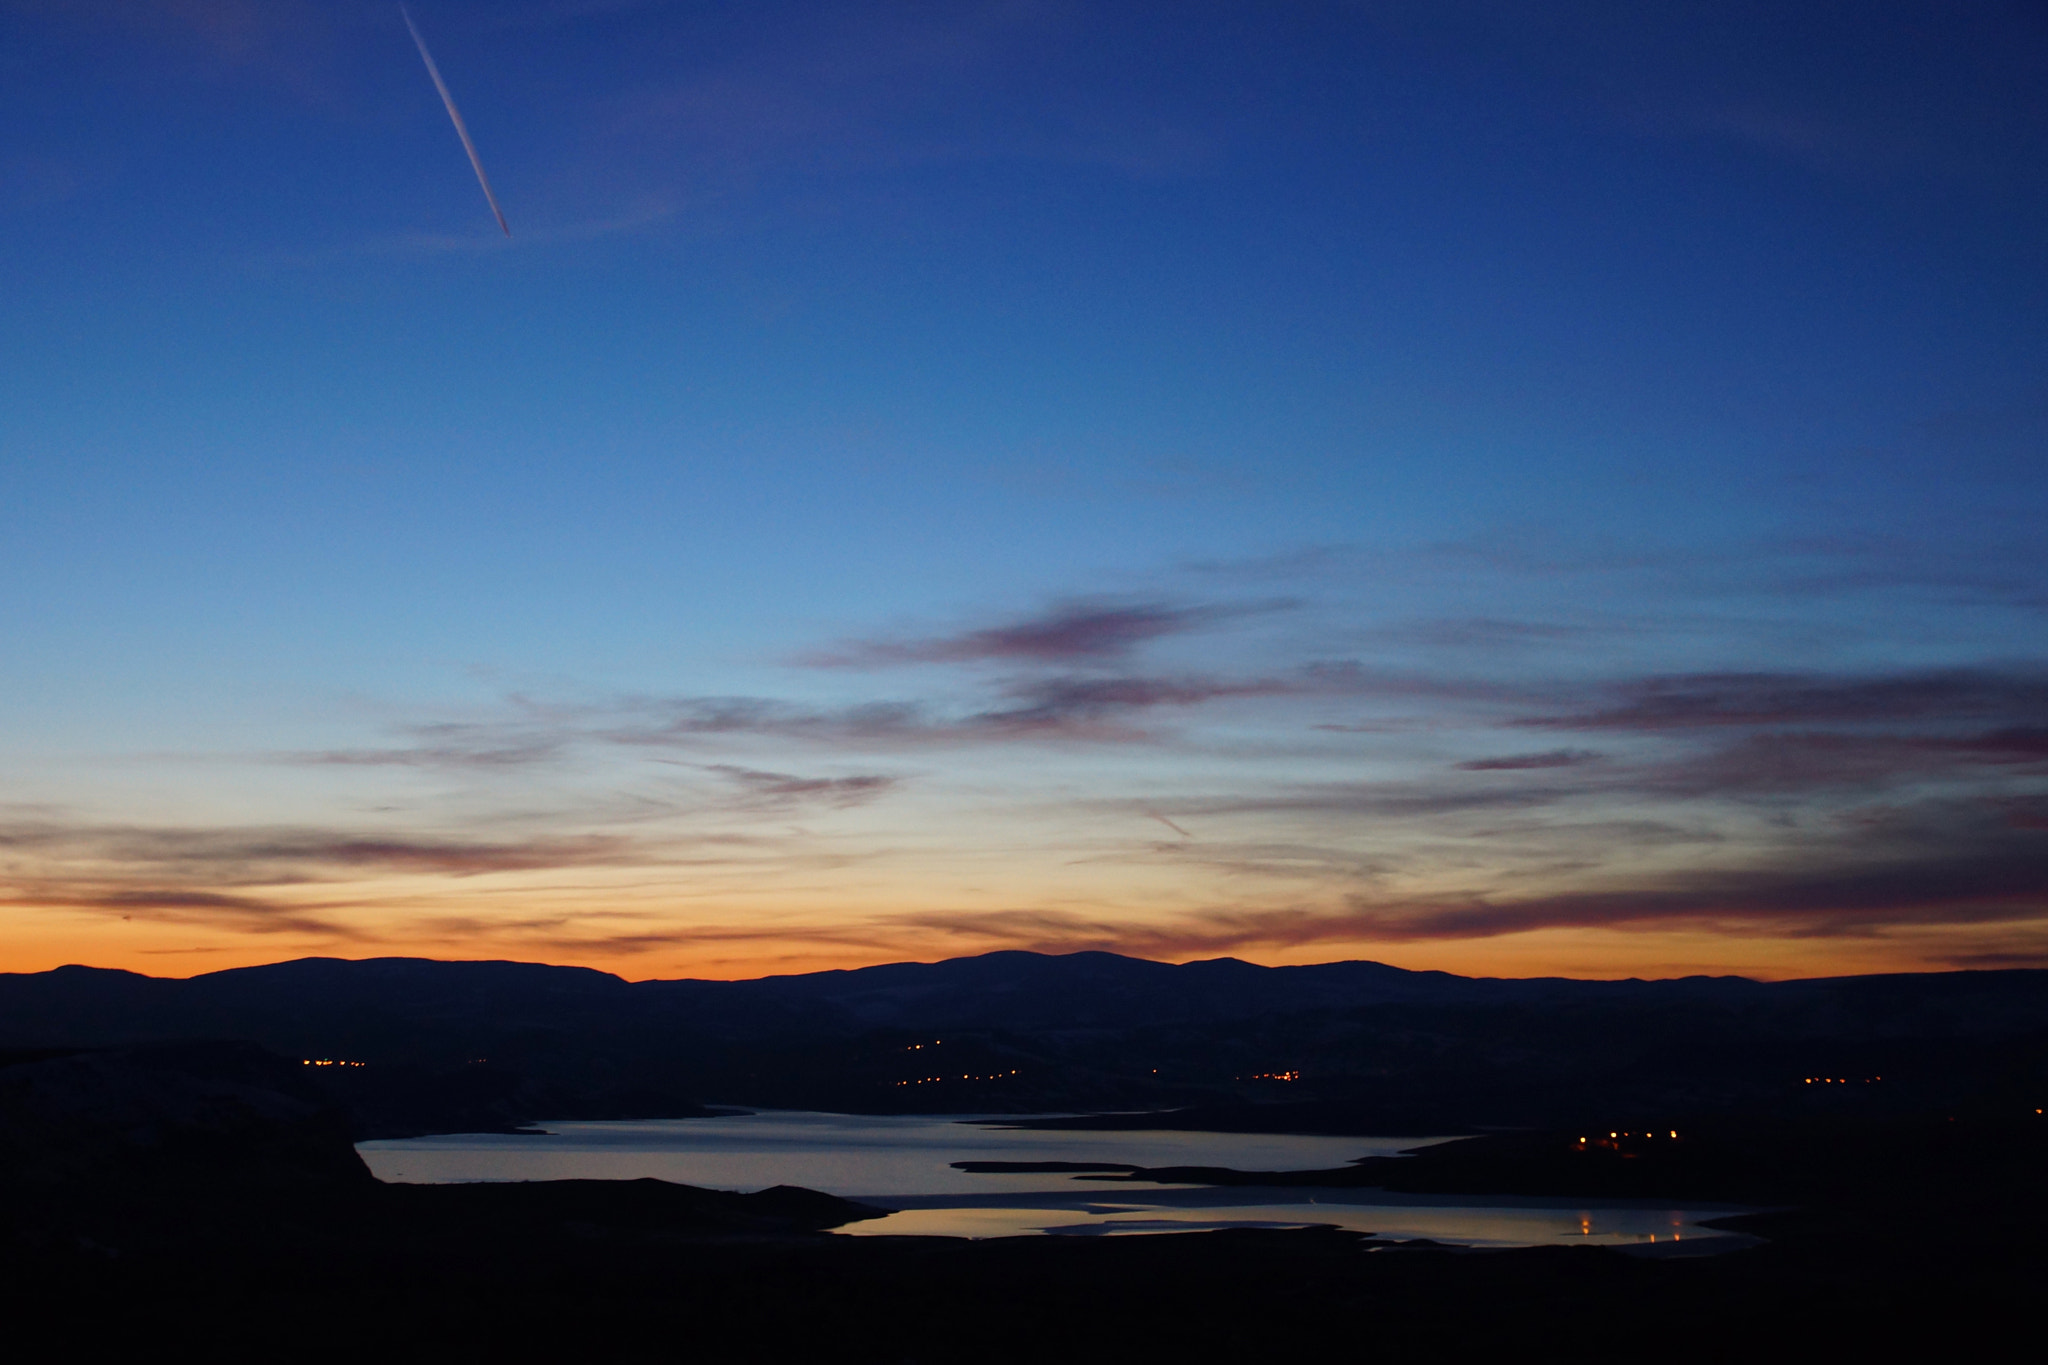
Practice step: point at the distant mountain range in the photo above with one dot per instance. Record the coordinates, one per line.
(421, 1045)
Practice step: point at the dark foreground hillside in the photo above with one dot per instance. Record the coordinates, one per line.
(204, 1203)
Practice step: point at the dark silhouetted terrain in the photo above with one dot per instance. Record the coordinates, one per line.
(203, 1199)
(1343, 1047)
(200, 1201)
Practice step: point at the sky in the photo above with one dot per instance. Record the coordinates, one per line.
(1507, 489)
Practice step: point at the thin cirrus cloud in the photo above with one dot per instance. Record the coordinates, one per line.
(238, 914)
(1104, 707)
(1550, 758)
(1793, 761)
(1982, 879)
(1093, 708)
(787, 789)
(1690, 701)
(498, 753)
(264, 879)
(1939, 870)
(1763, 768)
(1080, 704)
(211, 861)
(274, 855)
(1980, 885)
(1069, 633)
(1741, 731)
(1082, 708)
(1781, 805)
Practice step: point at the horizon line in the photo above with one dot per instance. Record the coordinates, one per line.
(1017, 952)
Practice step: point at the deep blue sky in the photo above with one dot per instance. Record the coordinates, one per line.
(929, 477)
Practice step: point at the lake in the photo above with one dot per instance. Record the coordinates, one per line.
(904, 1163)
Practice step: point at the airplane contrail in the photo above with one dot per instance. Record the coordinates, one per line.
(455, 116)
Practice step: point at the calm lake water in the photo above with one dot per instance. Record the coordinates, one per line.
(904, 1164)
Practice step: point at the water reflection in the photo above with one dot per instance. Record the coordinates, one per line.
(904, 1163)
(858, 1156)
(1476, 1225)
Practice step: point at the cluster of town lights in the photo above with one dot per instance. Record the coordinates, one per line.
(934, 1080)
(1271, 1076)
(1615, 1139)
(327, 1061)
(1839, 1080)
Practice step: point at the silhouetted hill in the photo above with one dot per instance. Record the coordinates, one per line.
(212, 1149)
(440, 1046)
(200, 1113)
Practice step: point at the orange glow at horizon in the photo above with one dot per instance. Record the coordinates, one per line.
(42, 939)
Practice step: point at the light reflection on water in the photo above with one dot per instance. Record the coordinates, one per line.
(1367, 1211)
(857, 1156)
(904, 1163)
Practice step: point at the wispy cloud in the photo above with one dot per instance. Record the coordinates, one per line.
(1763, 804)
(1689, 701)
(319, 883)
(180, 905)
(1976, 889)
(1673, 736)
(444, 745)
(1086, 708)
(786, 789)
(1074, 632)
(284, 855)
(1484, 633)
(1550, 758)
(2025, 958)
(1990, 882)
(1813, 761)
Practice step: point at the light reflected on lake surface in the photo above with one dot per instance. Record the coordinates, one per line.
(904, 1163)
(857, 1156)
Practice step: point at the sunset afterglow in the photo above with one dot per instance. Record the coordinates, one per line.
(1504, 496)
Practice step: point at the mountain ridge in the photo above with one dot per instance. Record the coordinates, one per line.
(434, 1045)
